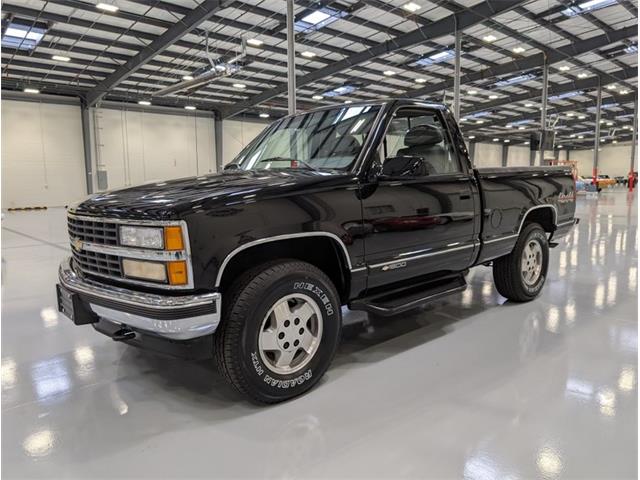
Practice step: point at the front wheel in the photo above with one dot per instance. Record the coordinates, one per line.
(280, 329)
(520, 275)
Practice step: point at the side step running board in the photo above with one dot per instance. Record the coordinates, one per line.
(400, 300)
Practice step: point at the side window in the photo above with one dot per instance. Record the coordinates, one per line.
(416, 144)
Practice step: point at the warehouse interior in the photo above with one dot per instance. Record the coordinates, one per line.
(102, 95)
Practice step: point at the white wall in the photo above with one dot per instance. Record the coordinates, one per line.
(613, 160)
(135, 147)
(488, 155)
(42, 154)
(236, 134)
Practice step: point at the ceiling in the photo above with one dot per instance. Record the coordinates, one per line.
(376, 48)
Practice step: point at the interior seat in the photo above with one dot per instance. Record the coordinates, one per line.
(424, 141)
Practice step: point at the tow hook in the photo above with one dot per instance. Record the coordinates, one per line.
(123, 334)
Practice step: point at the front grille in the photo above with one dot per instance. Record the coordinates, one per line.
(93, 231)
(97, 263)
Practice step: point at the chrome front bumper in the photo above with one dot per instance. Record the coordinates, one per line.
(176, 317)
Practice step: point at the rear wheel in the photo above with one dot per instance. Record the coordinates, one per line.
(280, 330)
(520, 275)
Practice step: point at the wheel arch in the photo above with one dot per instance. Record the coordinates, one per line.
(324, 250)
(545, 215)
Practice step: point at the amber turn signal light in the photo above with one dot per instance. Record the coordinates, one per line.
(177, 272)
(173, 238)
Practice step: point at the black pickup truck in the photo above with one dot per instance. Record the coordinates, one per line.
(371, 206)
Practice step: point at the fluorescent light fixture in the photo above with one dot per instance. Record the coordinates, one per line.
(582, 117)
(564, 68)
(255, 42)
(624, 92)
(472, 92)
(317, 97)
(559, 146)
(496, 139)
(479, 122)
(507, 141)
(421, 80)
(613, 86)
(23, 36)
(107, 7)
(570, 114)
(471, 137)
(60, 58)
(526, 143)
(189, 107)
(610, 124)
(186, 78)
(493, 97)
(518, 50)
(515, 80)
(562, 96)
(347, 101)
(389, 73)
(583, 75)
(240, 86)
(529, 105)
(220, 67)
(342, 90)
(308, 54)
(588, 6)
(411, 7)
(144, 102)
(264, 115)
(318, 19)
(573, 135)
(489, 38)
(31, 90)
(436, 58)
(522, 128)
(580, 136)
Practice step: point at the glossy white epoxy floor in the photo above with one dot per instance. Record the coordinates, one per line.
(469, 387)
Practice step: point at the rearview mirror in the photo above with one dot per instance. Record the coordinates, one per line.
(405, 166)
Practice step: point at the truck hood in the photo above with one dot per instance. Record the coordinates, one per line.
(176, 198)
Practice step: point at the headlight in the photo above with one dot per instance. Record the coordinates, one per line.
(145, 237)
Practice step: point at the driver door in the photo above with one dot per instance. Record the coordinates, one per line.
(418, 221)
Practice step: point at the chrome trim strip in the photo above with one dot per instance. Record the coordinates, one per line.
(570, 222)
(276, 238)
(125, 221)
(493, 240)
(546, 205)
(141, 253)
(424, 255)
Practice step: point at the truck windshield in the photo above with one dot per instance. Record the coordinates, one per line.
(324, 140)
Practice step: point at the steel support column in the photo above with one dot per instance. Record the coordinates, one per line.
(86, 144)
(543, 104)
(217, 135)
(634, 139)
(532, 157)
(291, 58)
(505, 154)
(596, 142)
(456, 76)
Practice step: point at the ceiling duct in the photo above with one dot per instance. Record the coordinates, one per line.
(218, 69)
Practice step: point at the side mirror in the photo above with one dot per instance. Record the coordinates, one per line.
(231, 166)
(405, 166)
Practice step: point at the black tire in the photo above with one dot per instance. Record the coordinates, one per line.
(507, 270)
(246, 305)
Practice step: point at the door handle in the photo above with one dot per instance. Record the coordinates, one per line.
(466, 196)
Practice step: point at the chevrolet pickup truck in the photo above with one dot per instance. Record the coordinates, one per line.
(371, 206)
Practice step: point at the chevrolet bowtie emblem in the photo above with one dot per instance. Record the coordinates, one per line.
(77, 244)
